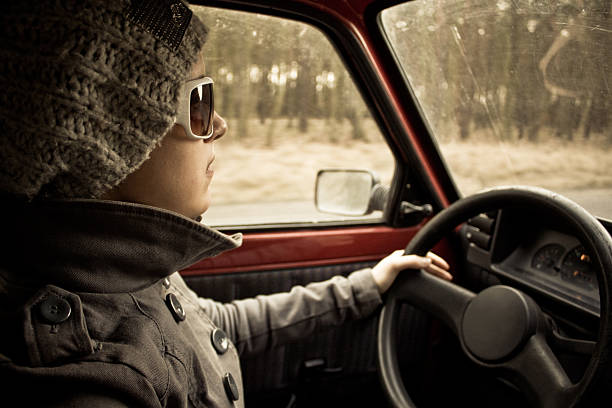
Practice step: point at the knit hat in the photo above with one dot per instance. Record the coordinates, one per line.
(88, 89)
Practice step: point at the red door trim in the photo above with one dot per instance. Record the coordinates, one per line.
(295, 249)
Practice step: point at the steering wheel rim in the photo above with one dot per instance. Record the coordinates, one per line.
(450, 307)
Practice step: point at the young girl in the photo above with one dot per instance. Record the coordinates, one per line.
(107, 136)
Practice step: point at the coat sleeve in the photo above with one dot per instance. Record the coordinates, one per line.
(264, 322)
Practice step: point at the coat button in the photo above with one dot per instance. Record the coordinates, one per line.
(175, 307)
(166, 283)
(220, 341)
(54, 309)
(231, 388)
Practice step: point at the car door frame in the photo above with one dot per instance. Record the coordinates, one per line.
(420, 175)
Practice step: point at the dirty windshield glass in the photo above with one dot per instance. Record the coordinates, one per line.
(515, 92)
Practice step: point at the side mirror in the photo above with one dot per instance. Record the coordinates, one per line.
(349, 192)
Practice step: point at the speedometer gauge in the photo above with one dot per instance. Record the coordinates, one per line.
(578, 268)
(547, 258)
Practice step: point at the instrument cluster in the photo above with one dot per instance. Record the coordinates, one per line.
(557, 264)
(532, 254)
(572, 265)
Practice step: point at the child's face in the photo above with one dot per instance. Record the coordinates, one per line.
(178, 174)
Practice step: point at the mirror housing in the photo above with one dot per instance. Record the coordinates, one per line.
(349, 192)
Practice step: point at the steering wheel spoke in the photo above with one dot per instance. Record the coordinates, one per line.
(441, 298)
(537, 371)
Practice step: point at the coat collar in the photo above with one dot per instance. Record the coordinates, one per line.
(102, 246)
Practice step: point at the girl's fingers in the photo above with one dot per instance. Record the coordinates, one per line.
(411, 261)
(438, 260)
(439, 272)
(415, 261)
(385, 272)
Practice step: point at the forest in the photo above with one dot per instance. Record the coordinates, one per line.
(518, 68)
(266, 68)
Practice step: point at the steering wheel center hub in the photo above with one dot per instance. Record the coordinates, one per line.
(497, 322)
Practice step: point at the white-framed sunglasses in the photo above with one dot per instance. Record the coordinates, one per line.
(196, 109)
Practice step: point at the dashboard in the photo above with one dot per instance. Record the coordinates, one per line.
(537, 254)
(558, 265)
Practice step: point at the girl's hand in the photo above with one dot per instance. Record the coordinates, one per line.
(385, 272)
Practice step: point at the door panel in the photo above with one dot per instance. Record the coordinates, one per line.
(337, 364)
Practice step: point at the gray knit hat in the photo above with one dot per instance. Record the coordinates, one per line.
(87, 89)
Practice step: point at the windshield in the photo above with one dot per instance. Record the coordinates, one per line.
(514, 92)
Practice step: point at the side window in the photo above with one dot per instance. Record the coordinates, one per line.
(292, 109)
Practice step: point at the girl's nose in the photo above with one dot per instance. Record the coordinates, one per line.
(219, 127)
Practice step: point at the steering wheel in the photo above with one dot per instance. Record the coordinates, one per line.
(501, 328)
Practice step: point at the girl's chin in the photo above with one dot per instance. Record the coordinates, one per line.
(205, 204)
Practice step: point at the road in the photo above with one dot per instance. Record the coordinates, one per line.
(597, 201)
(271, 213)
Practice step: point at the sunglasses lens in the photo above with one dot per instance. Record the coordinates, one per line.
(201, 110)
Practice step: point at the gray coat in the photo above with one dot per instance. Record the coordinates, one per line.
(94, 314)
